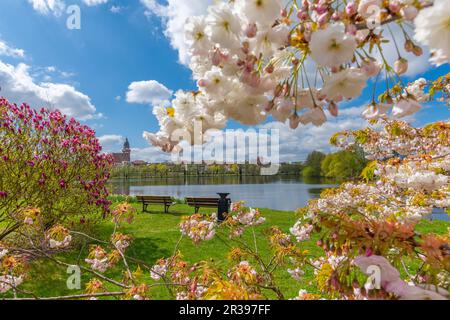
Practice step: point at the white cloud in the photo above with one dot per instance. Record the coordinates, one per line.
(111, 142)
(19, 86)
(149, 154)
(295, 145)
(116, 9)
(114, 143)
(6, 50)
(417, 65)
(56, 7)
(174, 16)
(147, 92)
(92, 3)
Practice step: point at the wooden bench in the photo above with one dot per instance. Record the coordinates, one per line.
(166, 201)
(198, 203)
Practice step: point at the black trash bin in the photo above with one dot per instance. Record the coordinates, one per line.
(223, 206)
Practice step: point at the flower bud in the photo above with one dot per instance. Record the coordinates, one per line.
(323, 19)
(216, 57)
(270, 68)
(334, 109)
(252, 30)
(394, 6)
(302, 15)
(401, 66)
(351, 8)
(409, 13)
(409, 46)
(294, 121)
(417, 51)
(269, 106)
(336, 16)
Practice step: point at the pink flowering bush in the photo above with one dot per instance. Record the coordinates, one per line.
(51, 163)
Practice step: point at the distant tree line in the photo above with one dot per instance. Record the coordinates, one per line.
(162, 170)
(340, 165)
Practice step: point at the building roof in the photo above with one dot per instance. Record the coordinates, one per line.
(120, 157)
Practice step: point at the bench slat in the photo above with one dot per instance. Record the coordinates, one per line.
(166, 201)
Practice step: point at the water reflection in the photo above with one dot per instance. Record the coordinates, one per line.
(278, 193)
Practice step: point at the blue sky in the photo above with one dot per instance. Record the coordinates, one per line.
(121, 42)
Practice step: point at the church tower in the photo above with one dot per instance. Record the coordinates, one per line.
(126, 151)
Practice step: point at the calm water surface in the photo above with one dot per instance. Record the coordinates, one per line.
(278, 193)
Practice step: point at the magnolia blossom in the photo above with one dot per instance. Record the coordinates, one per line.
(433, 28)
(348, 83)
(332, 47)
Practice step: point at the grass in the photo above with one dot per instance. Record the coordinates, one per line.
(155, 236)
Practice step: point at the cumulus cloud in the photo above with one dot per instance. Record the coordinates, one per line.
(6, 50)
(19, 86)
(149, 154)
(114, 143)
(417, 65)
(174, 15)
(45, 7)
(111, 142)
(295, 145)
(148, 92)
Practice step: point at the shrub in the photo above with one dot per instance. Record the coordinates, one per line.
(51, 163)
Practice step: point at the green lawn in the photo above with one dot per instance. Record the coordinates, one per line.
(155, 236)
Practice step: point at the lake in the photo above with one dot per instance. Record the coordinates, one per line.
(278, 193)
(282, 193)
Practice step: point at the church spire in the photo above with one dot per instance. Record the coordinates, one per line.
(126, 145)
